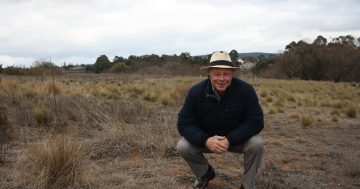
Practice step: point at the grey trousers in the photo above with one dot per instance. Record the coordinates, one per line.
(252, 150)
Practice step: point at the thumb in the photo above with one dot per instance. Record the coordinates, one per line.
(220, 137)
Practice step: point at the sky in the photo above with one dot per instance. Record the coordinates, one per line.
(79, 31)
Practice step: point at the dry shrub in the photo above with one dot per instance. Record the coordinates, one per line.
(30, 93)
(291, 99)
(338, 104)
(166, 100)
(352, 169)
(178, 92)
(118, 67)
(269, 99)
(335, 119)
(152, 97)
(307, 121)
(42, 116)
(52, 88)
(272, 111)
(350, 111)
(135, 91)
(57, 163)
(263, 93)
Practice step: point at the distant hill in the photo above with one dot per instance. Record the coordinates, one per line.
(255, 54)
(248, 54)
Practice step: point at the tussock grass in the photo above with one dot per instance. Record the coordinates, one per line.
(57, 163)
(51, 88)
(352, 169)
(272, 111)
(307, 121)
(269, 99)
(263, 93)
(350, 111)
(42, 116)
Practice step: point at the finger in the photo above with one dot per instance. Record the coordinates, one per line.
(220, 137)
(221, 148)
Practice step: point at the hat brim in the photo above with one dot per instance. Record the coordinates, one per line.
(219, 66)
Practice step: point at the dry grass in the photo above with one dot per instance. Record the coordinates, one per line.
(127, 127)
(5, 133)
(307, 121)
(58, 163)
(352, 169)
(350, 111)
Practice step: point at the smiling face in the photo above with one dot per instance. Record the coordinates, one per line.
(220, 79)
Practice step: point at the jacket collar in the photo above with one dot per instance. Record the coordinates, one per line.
(210, 91)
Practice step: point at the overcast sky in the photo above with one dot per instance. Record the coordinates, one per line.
(79, 31)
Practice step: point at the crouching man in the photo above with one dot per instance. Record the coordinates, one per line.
(220, 114)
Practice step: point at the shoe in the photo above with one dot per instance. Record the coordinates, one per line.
(202, 182)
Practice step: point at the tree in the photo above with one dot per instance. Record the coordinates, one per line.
(234, 55)
(200, 60)
(118, 59)
(43, 64)
(185, 56)
(102, 63)
(1, 69)
(320, 41)
(291, 46)
(262, 65)
(347, 40)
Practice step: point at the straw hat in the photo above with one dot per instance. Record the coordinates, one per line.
(220, 59)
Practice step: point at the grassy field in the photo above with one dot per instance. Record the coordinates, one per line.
(119, 131)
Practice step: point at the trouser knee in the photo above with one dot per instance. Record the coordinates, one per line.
(255, 144)
(182, 147)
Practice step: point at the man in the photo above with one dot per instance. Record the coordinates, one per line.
(221, 114)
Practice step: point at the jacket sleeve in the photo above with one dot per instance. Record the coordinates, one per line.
(252, 121)
(188, 121)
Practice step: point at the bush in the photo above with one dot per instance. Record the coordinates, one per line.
(350, 112)
(307, 121)
(118, 67)
(42, 116)
(57, 163)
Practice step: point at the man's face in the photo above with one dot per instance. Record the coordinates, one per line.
(220, 79)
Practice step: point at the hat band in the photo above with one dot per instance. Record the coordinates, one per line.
(222, 63)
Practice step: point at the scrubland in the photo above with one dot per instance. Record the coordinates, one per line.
(119, 131)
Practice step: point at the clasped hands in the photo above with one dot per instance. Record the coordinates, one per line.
(217, 144)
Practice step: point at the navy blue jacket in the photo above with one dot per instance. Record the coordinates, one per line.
(237, 115)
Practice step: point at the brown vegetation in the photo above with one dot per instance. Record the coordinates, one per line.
(119, 131)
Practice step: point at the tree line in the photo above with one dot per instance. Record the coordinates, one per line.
(182, 64)
(337, 60)
(134, 63)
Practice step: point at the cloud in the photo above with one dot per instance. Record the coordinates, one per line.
(15, 61)
(80, 31)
